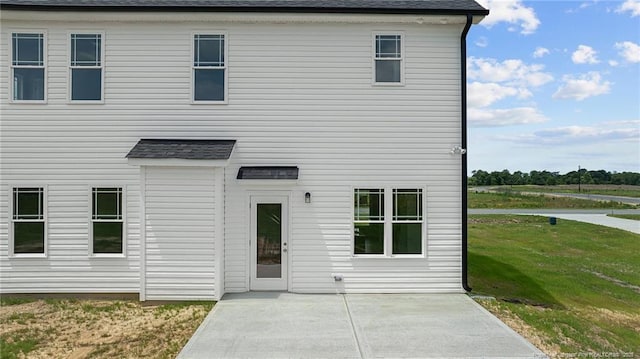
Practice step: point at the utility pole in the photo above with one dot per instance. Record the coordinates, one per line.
(579, 178)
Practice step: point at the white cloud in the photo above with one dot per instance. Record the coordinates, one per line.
(540, 52)
(629, 51)
(582, 86)
(613, 63)
(633, 6)
(482, 42)
(568, 135)
(512, 72)
(584, 55)
(512, 12)
(483, 117)
(484, 94)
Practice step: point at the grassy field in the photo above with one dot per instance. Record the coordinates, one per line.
(515, 200)
(611, 190)
(55, 328)
(572, 289)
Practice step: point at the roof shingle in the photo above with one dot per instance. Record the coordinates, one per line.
(182, 149)
(303, 6)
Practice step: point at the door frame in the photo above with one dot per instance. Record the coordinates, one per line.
(254, 198)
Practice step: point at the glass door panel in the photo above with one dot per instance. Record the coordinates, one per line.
(269, 240)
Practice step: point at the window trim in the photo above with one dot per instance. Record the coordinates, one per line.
(70, 68)
(44, 65)
(401, 59)
(90, 219)
(388, 220)
(225, 67)
(45, 211)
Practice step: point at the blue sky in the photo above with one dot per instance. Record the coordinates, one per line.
(553, 85)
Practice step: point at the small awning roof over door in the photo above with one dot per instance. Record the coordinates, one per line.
(179, 152)
(268, 173)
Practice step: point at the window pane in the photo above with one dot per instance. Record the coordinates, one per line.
(28, 237)
(28, 84)
(107, 237)
(27, 203)
(407, 204)
(369, 204)
(85, 49)
(369, 238)
(208, 50)
(388, 70)
(407, 238)
(388, 46)
(107, 203)
(28, 49)
(209, 85)
(86, 84)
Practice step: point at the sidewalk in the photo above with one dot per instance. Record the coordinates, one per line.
(599, 219)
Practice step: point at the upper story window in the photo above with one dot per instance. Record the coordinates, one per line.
(209, 68)
(388, 59)
(86, 67)
(28, 66)
(28, 221)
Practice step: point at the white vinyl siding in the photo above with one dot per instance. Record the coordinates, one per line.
(180, 209)
(299, 94)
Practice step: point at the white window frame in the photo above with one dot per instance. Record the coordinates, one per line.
(420, 216)
(225, 67)
(374, 57)
(123, 220)
(44, 65)
(388, 221)
(71, 67)
(44, 219)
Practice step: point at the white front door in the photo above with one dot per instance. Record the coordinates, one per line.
(268, 242)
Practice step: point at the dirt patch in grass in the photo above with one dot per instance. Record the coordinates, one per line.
(521, 327)
(97, 328)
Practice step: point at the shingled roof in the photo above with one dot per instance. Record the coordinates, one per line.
(450, 7)
(182, 149)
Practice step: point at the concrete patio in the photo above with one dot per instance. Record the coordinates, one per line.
(286, 325)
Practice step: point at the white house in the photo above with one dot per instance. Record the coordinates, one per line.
(187, 149)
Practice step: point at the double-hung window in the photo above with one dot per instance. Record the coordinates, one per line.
(407, 221)
(209, 68)
(368, 220)
(28, 66)
(388, 221)
(28, 221)
(107, 220)
(86, 67)
(388, 59)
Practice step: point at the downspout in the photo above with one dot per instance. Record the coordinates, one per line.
(463, 86)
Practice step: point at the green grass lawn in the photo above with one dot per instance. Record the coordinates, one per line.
(576, 286)
(515, 200)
